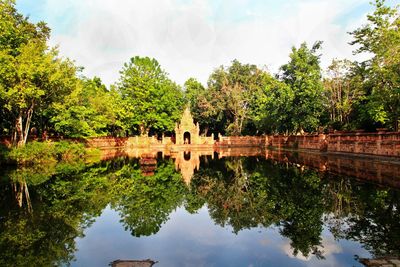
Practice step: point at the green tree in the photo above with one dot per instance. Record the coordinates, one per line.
(303, 76)
(343, 90)
(232, 92)
(200, 102)
(153, 101)
(90, 110)
(30, 73)
(271, 107)
(380, 37)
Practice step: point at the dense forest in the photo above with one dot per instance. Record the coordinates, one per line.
(44, 93)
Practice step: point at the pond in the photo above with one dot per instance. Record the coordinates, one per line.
(230, 208)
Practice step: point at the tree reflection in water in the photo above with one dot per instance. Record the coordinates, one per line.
(239, 192)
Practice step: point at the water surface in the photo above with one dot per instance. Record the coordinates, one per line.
(268, 209)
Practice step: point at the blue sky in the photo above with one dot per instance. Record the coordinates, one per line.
(192, 37)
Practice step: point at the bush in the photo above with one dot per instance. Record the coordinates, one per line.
(33, 152)
(44, 152)
(67, 150)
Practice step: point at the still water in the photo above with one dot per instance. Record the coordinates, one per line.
(267, 209)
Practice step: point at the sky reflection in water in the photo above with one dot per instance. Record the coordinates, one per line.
(268, 210)
(194, 240)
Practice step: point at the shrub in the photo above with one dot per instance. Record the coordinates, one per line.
(44, 152)
(33, 152)
(69, 150)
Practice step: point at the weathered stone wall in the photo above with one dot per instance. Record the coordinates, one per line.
(143, 141)
(107, 142)
(385, 144)
(206, 140)
(240, 141)
(381, 143)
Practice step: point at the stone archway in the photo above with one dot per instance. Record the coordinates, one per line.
(186, 138)
(187, 155)
(187, 132)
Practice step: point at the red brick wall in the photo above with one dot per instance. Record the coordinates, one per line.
(240, 141)
(107, 142)
(385, 144)
(381, 143)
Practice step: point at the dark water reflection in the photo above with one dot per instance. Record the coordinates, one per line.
(273, 208)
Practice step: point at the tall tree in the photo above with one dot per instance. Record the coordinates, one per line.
(30, 73)
(272, 106)
(200, 102)
(342, 91)
(90, 110)
(380, 37)
(233, 91)
(303, 75)
(153, 101)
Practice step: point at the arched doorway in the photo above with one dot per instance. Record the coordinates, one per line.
(186, 155)
(186, 138)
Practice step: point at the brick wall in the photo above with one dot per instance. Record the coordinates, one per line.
(385, 144)
(240, 141)
(380, 143)
(107, 142)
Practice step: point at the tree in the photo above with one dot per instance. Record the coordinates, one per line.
(199, 101)
(303, 76)
(342, 90)
(270, 109)
(90, 110)
(30, 73)
(231, 93)
(380, 37)
(153, 101)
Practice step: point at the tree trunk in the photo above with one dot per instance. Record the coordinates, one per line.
(14, 137)
(144, 131)
(206, 131)
(20, 133)
(28, 122)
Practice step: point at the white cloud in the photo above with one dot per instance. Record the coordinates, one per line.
(191, 39)
(329, 248)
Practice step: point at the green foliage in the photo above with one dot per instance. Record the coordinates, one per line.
(380, 37)
(343, 92)
(48, 152)
(90, 110)
(33, 152)
(40, 90)
(31, 75)
(303, 76)
(199, 101)
(270, 112)
(152, 100)
(227, 103)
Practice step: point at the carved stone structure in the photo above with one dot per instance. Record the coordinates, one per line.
(188, 133)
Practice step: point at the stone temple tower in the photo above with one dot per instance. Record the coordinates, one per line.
(186, 132)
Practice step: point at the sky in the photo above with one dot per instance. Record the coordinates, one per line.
(190, 38)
